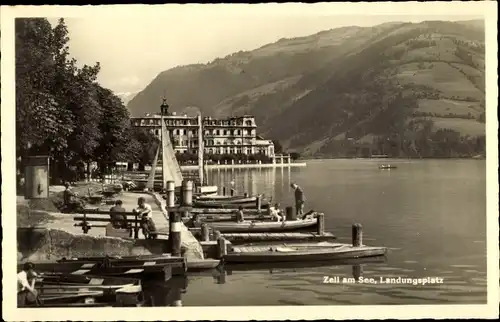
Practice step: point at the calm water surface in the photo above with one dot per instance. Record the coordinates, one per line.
(431, 214)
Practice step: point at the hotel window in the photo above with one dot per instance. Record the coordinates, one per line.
(218, 132)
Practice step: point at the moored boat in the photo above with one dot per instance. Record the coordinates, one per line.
(56, 290)
(153, 266)
(263, 226)
(298, 252)
(229, 202)
(387, 166)
(227, 198)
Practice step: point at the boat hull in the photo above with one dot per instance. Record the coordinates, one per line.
(152, 266)
(231, 204)
(263, 226)
(60, 290)
(306, 254)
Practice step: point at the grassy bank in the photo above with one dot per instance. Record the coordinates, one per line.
(35, 212)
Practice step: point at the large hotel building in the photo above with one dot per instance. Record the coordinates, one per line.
(235, 135)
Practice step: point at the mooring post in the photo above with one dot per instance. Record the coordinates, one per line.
(85, 225)
(217, 235)
(174, 235)
(205, 232)
(223, 191)
(245, 195)
(290, 214)
(221, 247)
(232, 192)
(136, 227)
(170, 194)
(258, 203)
(357, 271)
(187, 193)
(357, 235)
(321, 224)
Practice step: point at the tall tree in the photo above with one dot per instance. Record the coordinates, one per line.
(41, 121)
(116, 141)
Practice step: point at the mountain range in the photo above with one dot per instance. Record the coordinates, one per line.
(355, 83)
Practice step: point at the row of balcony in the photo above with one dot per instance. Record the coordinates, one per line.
(192, 122)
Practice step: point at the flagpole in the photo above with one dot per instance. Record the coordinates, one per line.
(164, 109)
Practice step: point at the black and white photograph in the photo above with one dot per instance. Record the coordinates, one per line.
(250, 162)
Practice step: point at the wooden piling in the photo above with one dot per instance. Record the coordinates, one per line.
(187, 193)
(321, 224)
(174, 236)
(245, 195)
(170, 194)
(258, 203)
(223, 191)
(232, 192)
(205, 232)
(290, 214)
(221, 247)
(357, 235)
(357, 271)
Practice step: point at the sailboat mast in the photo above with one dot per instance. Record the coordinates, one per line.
(164, 109)
(201, 149)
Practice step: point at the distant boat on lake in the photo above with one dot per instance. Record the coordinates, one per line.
(387, 166)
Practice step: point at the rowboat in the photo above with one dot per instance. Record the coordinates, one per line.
(263, 226)
(149, 266)
(300, 252)
(227, 217)
(206, 191)
(245, 202)
(56, 290)
(387, 167)
(227, 198)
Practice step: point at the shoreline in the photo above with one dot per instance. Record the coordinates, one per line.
(245, 166)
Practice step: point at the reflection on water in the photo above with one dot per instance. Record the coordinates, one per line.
(171, 293)
(431, 214)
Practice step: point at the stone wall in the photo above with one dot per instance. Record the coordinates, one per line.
(35, 244)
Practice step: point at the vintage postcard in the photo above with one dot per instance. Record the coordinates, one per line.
(250, 162)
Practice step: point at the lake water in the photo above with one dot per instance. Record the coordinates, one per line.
(431, 214)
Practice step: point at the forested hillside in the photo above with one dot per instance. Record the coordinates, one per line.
(401, 89)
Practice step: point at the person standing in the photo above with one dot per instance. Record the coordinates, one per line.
(147, 224)
(26, 292)
(299, 199)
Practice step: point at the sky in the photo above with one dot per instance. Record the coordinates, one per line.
(134, 48)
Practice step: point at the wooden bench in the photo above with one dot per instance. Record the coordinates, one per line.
(103, 216)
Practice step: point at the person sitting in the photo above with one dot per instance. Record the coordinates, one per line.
(118, 220)
(26, 292)
(147, 224)
(70, 198)
(239, 215)
(193, 221)
(275, 212)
